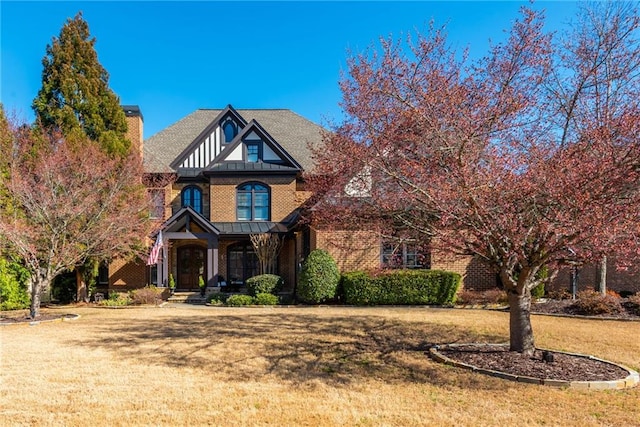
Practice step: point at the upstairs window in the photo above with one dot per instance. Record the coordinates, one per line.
(192, 196)
(253, 152)
(253, 202)
(230, 130)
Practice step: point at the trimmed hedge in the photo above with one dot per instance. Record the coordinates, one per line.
(403, 287)
(264, 284)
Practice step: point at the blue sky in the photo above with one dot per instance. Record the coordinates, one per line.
(171, 58)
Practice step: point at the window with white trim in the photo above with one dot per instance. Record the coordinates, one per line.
(401, 254)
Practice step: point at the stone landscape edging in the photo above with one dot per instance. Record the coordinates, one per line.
(630, 381)
(64, 318)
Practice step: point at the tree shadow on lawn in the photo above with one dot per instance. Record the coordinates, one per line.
(297, 348)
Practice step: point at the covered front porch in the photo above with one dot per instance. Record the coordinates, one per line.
(220, 254)
(189, 251)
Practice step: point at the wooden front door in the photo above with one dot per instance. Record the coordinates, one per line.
(191, 265)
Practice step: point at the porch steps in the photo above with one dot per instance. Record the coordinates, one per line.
(187, 298)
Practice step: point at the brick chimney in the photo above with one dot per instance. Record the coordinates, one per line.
(134, 126)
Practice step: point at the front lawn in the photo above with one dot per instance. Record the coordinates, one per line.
(293, 366)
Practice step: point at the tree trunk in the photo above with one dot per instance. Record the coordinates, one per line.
(520, 330)
(602, 282)
(37, 285)
(81, 286)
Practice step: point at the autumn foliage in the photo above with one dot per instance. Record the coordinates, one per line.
(70, 201)
(528, 158)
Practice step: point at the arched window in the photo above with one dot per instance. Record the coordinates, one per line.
(230, 131)
(192, 196)
(253, 202)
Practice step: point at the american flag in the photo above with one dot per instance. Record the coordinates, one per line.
(155, 250)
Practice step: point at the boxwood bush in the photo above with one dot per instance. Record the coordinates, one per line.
(264, 284)
(265, 299)
(239, 300)
(402, 287)
(319, 278)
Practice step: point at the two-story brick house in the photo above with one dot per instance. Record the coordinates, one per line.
(238, 173)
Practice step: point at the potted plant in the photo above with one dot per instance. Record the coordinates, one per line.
(172, 284)
(202, 285)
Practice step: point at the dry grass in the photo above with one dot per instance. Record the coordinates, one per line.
(292, 366)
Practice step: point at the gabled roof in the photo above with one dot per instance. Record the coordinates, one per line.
(292, 132)
(185, 214)
(254, 127)
(228, 111)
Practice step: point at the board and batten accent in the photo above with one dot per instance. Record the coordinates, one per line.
(211, 146)
(205, 152)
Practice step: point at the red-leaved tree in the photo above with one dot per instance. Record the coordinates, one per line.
(69, 202)
(528, 158)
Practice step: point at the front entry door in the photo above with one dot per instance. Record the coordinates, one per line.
(191, 265)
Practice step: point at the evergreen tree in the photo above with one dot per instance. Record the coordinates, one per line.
(75, 97)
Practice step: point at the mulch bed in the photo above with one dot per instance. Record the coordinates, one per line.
(564, 367)
(564, 307)
(22, 316)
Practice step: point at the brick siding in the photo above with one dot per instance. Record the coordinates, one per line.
(284, 198)
(127, 275)
(476, 273)
(352, 250)
(134, 132)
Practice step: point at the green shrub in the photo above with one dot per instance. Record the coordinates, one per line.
(359, 288)
(538, 291)
(239, 300)
(147, 295)
(13, 286)
(264, 284)
(401, 287)
(592, 303)
(117, 299)
(216, 298)
(265, 299)
(319, 278)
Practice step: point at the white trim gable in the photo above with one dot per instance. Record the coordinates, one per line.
(252, 133)
(210, 143)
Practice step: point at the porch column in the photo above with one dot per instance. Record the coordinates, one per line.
(212, 260)
(159, 268)
(163, 268)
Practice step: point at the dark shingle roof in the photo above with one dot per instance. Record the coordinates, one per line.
(292, 131)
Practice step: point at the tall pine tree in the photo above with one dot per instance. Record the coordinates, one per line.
(75, 97)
